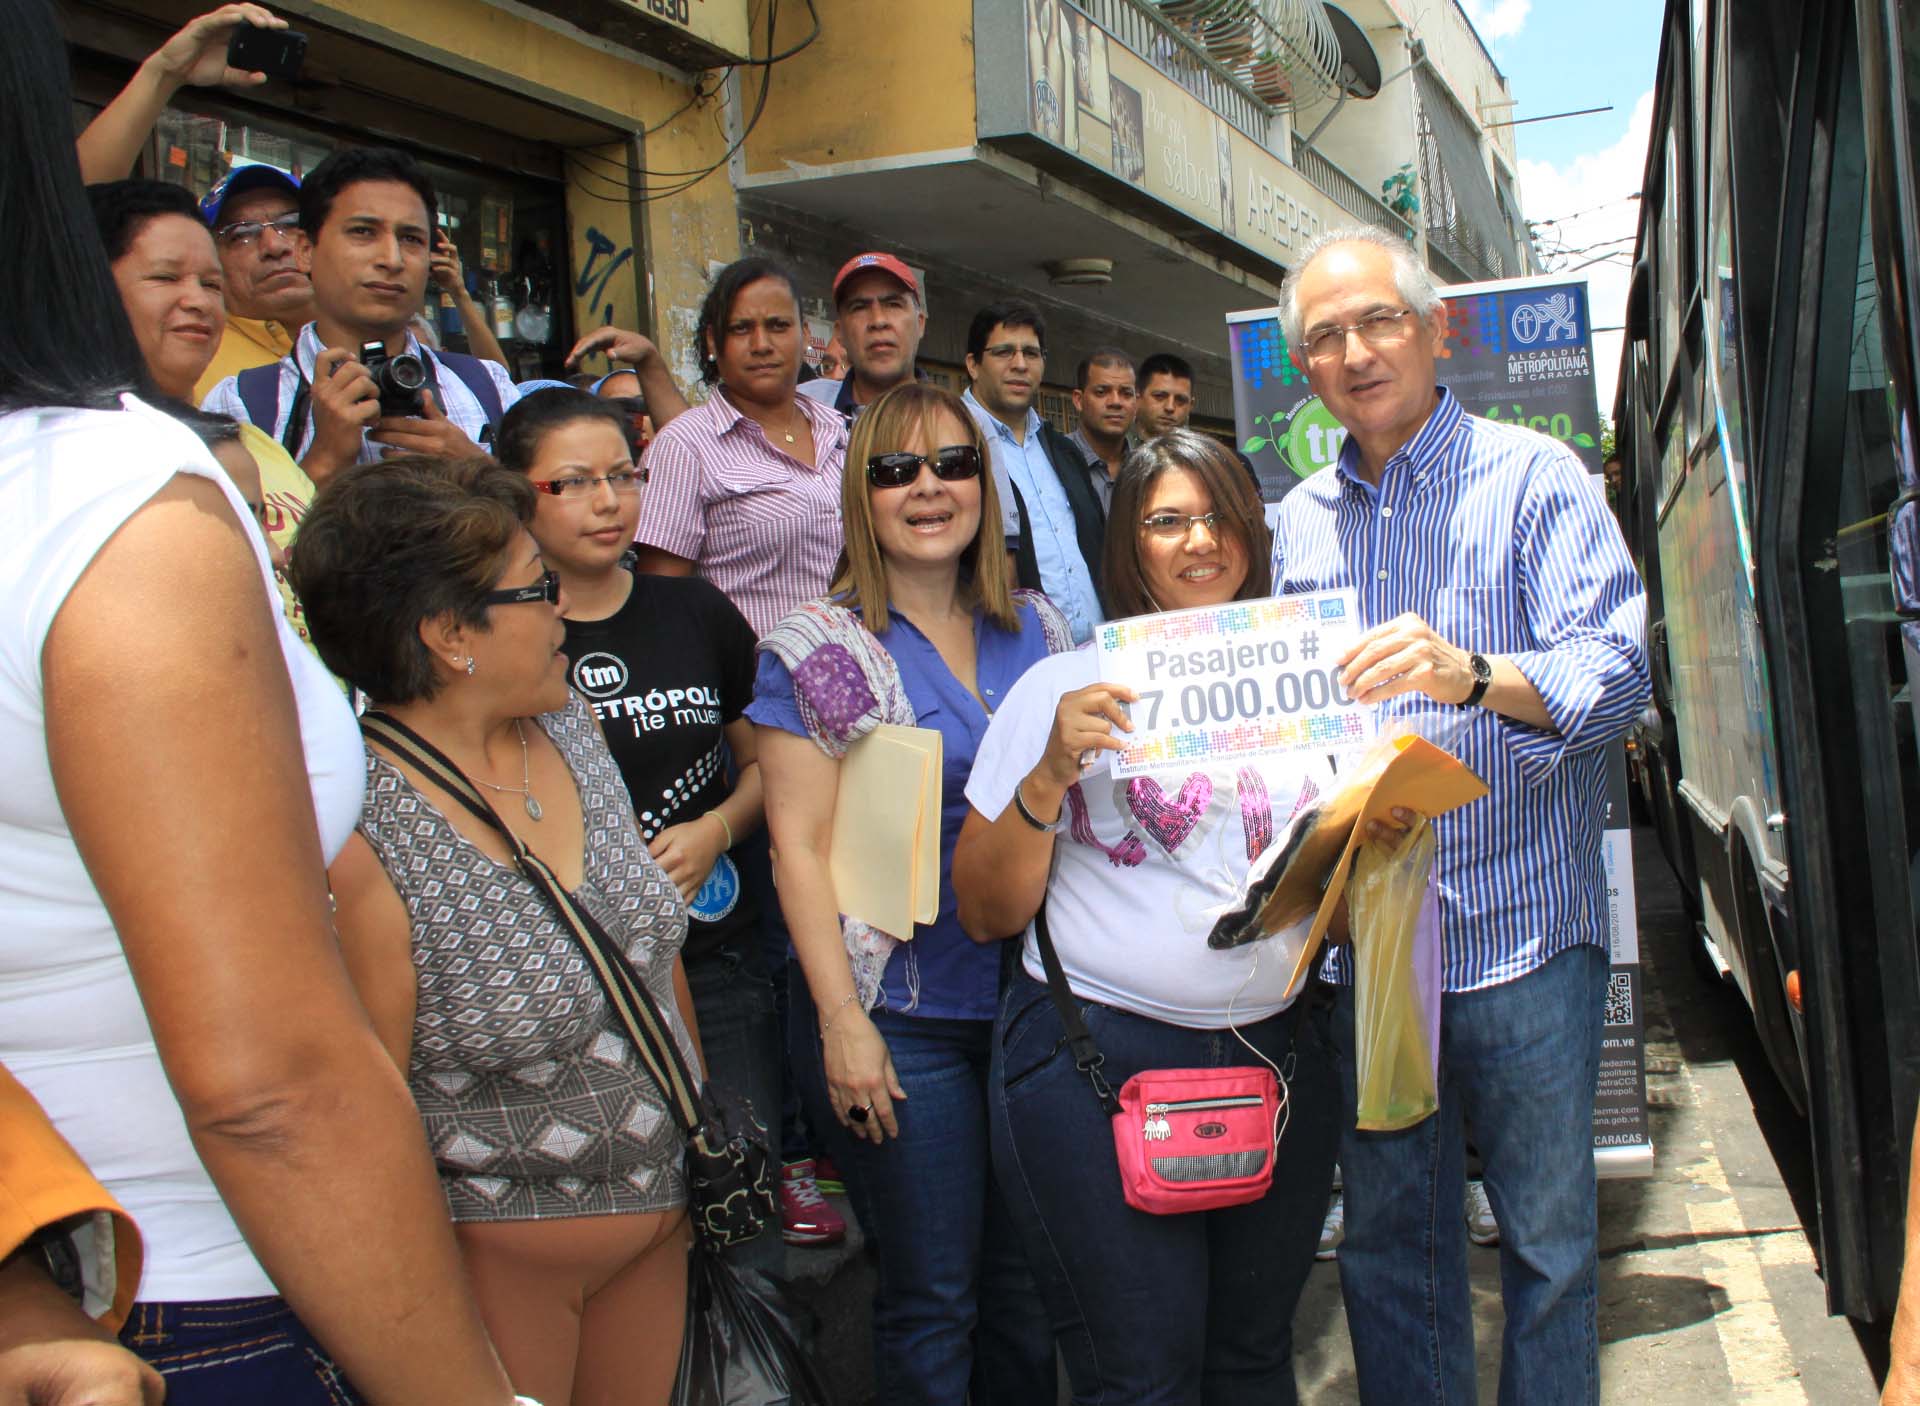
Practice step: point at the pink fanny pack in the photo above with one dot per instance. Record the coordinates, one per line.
(1187, 1139)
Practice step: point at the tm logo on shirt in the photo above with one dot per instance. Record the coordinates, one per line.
(600, 675)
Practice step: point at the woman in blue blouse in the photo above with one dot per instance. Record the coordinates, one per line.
(921, 629)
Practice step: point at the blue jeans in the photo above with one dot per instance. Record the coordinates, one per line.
(956, 1316)
(1180, 1310)
(228, 1350)
(740, 1035)
(1519, 1062)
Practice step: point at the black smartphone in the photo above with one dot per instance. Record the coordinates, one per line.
(278, 53)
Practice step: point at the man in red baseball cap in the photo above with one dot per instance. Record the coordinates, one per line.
(882, 317)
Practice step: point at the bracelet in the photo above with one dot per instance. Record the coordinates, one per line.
(1045, 827)
(728, 829)
(827, 1024)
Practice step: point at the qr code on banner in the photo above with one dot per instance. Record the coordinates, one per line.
(1619, 999)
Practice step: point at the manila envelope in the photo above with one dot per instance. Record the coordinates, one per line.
(885, 856)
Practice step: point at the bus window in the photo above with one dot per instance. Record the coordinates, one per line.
(1878, 644)
(1724, 372)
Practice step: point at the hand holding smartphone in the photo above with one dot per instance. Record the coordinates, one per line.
(278, 53)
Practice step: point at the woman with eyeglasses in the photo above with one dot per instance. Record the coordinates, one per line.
(1147, 1308)
(921, 628)
(666, 664)
(557, 1154)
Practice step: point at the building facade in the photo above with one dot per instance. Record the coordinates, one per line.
(565, 141)
(1137, 169)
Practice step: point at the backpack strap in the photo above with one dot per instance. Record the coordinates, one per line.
(1026, 556)
(259, 388)
(474, 375)
(1089, 517)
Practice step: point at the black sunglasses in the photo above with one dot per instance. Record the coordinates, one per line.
(954, 463)
(547, 588)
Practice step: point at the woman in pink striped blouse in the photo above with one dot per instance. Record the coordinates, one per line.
(745, 489)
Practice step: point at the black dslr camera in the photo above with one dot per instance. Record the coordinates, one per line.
(402, 380)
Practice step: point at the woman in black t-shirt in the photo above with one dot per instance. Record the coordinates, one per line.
(667, 664)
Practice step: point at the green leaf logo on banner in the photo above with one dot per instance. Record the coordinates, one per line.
(1313, 438)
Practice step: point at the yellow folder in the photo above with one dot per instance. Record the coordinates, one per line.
(885, 860)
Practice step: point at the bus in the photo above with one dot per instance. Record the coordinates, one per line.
(1769, 435)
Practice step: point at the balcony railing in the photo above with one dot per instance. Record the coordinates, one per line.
(1345, 191)
(1141, 26)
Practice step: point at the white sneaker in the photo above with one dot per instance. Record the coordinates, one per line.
(1334, 1229)
(1482, 1228)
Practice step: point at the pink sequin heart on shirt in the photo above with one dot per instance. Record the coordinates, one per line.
(1169, 822)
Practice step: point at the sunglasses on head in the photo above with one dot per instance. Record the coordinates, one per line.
(954, 463)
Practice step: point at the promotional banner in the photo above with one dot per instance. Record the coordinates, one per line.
(1519, 351)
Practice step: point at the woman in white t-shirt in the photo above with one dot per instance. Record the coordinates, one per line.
(174, 771)
(1132, 873)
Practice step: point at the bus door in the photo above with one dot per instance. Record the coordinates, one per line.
(1835, 537)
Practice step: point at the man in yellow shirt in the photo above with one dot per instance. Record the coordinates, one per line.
(255, 218)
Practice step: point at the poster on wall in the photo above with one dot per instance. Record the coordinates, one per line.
(1520, 351)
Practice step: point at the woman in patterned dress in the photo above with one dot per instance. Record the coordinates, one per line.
(560, 1162)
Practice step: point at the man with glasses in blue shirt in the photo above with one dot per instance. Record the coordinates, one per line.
(1495, 588)
(1055, 524)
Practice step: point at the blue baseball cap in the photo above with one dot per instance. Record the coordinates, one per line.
(257, 176)
(594, 389)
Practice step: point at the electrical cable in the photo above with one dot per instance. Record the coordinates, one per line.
(687, 180)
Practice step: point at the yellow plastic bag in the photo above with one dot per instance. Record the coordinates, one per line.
(1396, 981)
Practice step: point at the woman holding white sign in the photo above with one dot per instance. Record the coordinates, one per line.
(921, 630)
(1126, 878)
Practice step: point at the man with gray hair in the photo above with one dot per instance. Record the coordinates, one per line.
(1498, 599)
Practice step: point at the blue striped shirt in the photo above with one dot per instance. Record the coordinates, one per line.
(1495, 536)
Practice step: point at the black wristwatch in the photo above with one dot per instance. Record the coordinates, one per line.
(1482, 676)
(51, 1248)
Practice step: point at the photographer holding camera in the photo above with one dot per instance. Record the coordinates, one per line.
(358, 384)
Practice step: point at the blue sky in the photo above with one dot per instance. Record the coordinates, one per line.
(1559, 55)
(1570, 54)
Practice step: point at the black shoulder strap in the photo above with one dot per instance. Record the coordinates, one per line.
(1026, 556)
(1089, 516)
(479, 381)
(626, 993)
(1086, 1054)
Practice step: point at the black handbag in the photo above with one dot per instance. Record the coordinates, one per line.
(730, 1173)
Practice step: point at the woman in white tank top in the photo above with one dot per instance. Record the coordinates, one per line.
(174, 770)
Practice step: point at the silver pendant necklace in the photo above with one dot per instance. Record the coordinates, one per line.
(525, 788)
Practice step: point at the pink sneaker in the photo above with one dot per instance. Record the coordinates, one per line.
(826, 1176)
(805, 1216)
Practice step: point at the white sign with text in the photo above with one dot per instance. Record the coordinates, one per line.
(1222, 683)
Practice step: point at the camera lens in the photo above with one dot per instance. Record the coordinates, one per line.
(406, 372)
